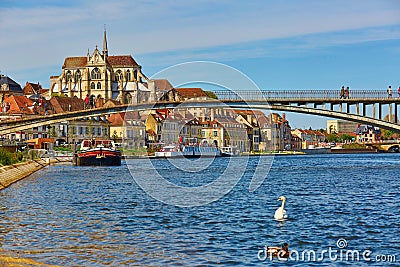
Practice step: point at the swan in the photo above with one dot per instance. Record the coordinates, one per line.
(280, 213)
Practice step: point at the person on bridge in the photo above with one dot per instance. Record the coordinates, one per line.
(342, 92)
(389, 91)
(87, 101)
(346, 92)
(398, 91)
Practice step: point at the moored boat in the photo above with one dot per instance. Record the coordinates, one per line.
(98, 153)
(188, 151)
(168, 152)
(229, 151)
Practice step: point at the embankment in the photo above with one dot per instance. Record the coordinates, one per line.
(13, 173)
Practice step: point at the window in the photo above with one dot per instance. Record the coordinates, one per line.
(96, 74)
(98, 85)
(87, 130)
(92, 86)
(77, 76)
(118, 76)
(80, 130)
(215, 133)
(99, 131)
(68, 76)
(128, 75)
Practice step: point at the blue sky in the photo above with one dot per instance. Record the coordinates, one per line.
(284, 44)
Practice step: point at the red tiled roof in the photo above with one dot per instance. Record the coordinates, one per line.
(32, 88)
(190, 92)
(19, 104)
(123, 61)
(62, 104)
(116, 119)
(74, 62)
(163, 84)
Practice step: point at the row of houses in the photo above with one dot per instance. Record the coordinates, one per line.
(245, 129)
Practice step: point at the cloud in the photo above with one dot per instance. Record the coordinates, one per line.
(42, 34)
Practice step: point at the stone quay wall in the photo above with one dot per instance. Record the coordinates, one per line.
(13, 173)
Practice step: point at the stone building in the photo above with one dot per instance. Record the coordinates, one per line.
(9, 87)
(341, 126)
(101, 76)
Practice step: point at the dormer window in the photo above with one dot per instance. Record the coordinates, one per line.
(96, 75)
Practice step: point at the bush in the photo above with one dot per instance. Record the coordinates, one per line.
(8, 158)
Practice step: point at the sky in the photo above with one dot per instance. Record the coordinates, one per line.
(279, 45)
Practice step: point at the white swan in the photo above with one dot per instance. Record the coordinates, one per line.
(280, 213)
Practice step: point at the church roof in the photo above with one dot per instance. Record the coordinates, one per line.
(122, 61)
(74, 62)
(115, 61)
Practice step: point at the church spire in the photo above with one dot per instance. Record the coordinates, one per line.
(105, 50)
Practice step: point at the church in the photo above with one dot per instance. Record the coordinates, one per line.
(102, 77)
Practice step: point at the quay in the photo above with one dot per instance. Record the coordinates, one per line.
(13, 173)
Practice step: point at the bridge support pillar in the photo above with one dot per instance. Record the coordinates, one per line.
(380, 111)
(374, 111)
(364, 109)
(348, 107)
(390, 113)
(358, 109)
(331, 106)
(395, 114)
(340, 107)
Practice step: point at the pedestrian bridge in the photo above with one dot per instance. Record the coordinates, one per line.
(374, 107)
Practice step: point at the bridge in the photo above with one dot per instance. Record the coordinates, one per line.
(362, 106)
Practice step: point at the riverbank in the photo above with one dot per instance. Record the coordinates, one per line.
(12, 173)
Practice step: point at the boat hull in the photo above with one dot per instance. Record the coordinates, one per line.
(98, 157)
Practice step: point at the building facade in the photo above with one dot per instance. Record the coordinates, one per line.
(341, 126)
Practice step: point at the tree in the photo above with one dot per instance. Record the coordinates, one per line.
(332, 137)
(115, 136)
(211, 94)
(345, 137)
(387, 134)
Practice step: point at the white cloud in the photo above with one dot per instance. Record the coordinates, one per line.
(43, 36)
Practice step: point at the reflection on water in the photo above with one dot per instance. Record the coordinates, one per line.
(82, 216)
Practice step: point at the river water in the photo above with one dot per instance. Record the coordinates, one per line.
(81, 216)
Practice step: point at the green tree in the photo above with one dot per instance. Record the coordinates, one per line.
(387, 134)
(345, 137)
(115, 136)
(332, 137)
(211, 94)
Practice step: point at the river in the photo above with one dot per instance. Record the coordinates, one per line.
(81, 216)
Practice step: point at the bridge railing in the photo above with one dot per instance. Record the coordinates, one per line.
(301, 94)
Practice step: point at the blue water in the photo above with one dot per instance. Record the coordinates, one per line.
(81, 216)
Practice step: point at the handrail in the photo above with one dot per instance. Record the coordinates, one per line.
(301, 94)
